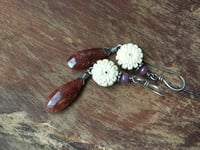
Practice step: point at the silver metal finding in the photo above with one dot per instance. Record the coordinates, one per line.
(115, 49)
(156, 77)
(154, 88)
(86, 75)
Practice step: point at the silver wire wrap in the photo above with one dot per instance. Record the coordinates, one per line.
(146, 83)
(115, 49)
(86, 75)
(156, 77)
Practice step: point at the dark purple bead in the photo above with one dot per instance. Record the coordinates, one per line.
(124, 78)
(143, 70)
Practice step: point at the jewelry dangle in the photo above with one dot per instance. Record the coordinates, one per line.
(104, 72)
(129, 56)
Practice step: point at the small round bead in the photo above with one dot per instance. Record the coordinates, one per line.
(124, 78)
(143, 70)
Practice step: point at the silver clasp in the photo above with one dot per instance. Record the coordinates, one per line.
(156, 77)
(154, 88)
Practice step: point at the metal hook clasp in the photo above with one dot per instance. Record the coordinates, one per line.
(177, 89)
(156, 77)
(154, 88)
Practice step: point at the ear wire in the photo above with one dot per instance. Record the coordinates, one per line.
(146, 83)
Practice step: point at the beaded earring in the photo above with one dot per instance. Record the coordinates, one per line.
(104, 72)
(129, 56)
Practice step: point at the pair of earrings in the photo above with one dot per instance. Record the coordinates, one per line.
(105, 73)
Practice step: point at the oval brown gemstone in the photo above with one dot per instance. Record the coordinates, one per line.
(85, 58)
(63, 96)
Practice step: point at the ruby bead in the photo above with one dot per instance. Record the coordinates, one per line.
(124, 78)
(85, 58)
(143, 70)
(63, 96)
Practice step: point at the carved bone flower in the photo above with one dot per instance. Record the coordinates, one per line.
(129, 56)
(104, 72)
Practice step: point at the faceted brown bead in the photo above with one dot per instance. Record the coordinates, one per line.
(63, 96)
(85, 58)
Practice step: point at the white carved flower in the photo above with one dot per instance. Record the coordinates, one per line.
(104, 72)
(129, 56)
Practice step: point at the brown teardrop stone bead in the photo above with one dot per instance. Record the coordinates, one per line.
(85, 58)
(63, 96)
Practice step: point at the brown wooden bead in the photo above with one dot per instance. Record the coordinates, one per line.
(85, 58)
(63, 96)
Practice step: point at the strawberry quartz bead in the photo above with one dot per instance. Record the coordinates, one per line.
(85, 58)
(143, 70)
(124, 78)
(63, 96)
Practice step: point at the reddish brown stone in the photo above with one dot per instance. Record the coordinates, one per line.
(85, 58)
(63, 96)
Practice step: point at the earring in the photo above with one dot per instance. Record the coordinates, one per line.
(129, 56)
(104, 72)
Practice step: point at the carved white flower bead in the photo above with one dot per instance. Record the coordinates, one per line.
(104, 72)
(129, 56)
